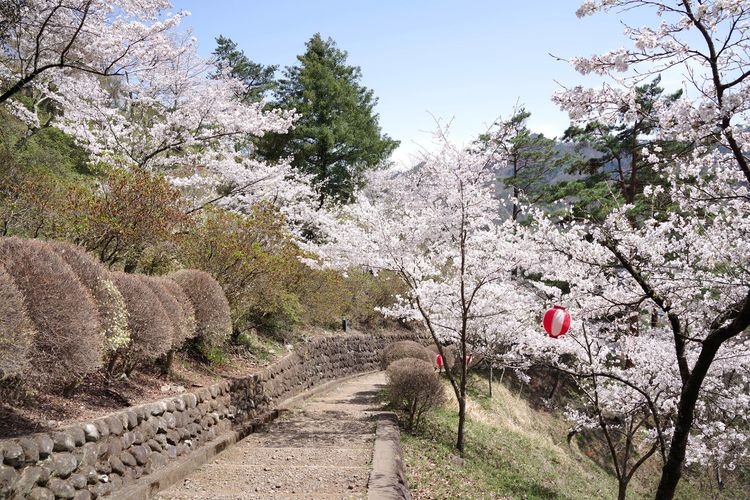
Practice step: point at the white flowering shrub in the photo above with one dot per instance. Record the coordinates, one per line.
(117, 333)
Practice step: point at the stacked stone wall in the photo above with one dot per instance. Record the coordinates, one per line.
(106, 455)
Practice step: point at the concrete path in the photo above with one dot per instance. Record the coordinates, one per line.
(321, 450)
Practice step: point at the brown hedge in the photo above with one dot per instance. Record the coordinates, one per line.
(151, 330)
(68, 342)
(16, 331)
(212, 315)
(404, 349)
(178, 308)
(110, 302)
(414, 387)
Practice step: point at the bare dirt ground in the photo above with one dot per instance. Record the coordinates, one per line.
(321, 450)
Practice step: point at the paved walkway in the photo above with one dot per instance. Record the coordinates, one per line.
(322, 450)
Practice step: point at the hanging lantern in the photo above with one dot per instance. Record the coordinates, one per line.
(556, 321)
(439, 361)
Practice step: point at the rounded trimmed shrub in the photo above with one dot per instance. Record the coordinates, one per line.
(16, 331)
(212, 316)
(404, 349)
(180, 311)
(113, 313)
(151, 330)
(179, 308)
(415, 388)
(68, 340)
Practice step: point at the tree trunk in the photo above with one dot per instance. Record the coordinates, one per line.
(166, 367)
(622, 488)
(461, 420)
(111, 365)
(412, 412)
(672, 470)
(490, 381)
(554, 386)
(719, 479)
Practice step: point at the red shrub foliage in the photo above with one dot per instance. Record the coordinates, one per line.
(212, 316)
(135, 210)
(16, 332)
(97, 279)
(404, 349)
(151, 331)
(68, 342)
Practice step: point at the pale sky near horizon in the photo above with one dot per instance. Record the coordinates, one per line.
(469, 62)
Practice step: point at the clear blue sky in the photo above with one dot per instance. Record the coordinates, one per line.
(468, 61)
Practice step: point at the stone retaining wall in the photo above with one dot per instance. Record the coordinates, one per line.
(97, 458)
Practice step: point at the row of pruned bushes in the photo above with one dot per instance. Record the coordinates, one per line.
(414, 385)
(137, 221)
(63, 315)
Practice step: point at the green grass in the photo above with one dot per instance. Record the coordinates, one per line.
(512, 451)
(515, 451)
(264, 349)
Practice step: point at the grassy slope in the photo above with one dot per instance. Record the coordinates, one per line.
(513, 451)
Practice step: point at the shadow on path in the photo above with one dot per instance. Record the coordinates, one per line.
(321, 449)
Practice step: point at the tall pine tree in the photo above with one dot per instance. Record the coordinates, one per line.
(337, 137)
(611, 169)
(258, 79)
(526, 161)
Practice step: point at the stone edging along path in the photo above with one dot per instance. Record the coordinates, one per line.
(388, 477)
(111, 454)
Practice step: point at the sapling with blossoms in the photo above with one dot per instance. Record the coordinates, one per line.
(437, 227)
(496, 337)
(626, 389)
(692, 262)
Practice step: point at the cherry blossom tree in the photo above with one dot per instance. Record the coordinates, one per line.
(437, 226)
(134, 92)
(45, 41)
(627, 384)
(182, 119)
(691, 262)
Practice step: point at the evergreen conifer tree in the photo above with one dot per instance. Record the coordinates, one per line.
(337, 137)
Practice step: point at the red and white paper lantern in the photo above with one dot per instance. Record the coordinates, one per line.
(439, 361)
(556, 321)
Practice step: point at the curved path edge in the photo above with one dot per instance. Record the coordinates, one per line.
(388, 475)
